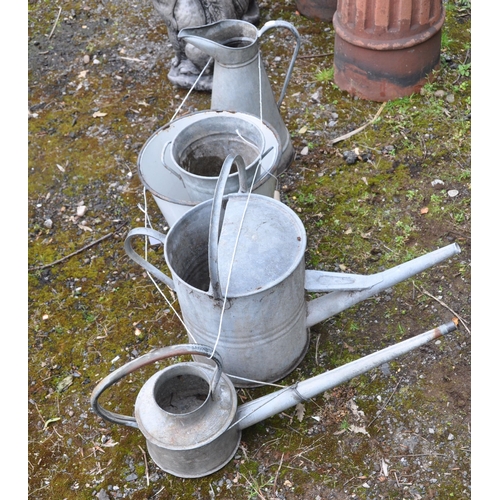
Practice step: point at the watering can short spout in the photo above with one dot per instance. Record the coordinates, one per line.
(346, 290)
(188, 411)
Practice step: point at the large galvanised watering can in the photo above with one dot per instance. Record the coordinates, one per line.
(188, 412)
(240, 82)
(238, 268)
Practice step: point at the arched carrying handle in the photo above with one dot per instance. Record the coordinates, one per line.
(216, 218)
(283, 24)
(146, 231)
(164, 162)
(140, 362)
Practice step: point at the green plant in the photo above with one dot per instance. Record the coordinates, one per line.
(325, 75)
(464, 69)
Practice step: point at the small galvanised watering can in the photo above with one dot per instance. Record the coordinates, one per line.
(188, 412)
(238, 268)
(240, 82)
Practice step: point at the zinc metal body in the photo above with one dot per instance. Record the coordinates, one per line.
(240, 81)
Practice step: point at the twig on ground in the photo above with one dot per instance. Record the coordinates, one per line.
(422, 290)
(55, 23)
(145, 464)
(309, 56)
(277, 474)
(354, 132)
(86, 247)
(385, 404)
(317, 345)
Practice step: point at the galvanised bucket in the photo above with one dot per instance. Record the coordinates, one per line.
(199, 150)
(167, 185)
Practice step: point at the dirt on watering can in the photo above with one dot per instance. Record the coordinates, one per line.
(98, 88)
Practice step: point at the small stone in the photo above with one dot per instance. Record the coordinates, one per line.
(439, 93)
(80, 211)
(86, 59)
(102, 495)
(451, 437)
(452, 193)
(131, 477)
(350, 157)
(48, 224)
(305, 151)
(450, 98)
(431, 430)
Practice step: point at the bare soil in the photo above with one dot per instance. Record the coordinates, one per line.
(98, 89)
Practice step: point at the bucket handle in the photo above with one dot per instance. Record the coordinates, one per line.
(147, 359)
(146, 231)
(216, 218)
(165, 162)
(284, 24)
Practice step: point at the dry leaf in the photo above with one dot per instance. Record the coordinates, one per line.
(383, 467)
(64, 383)
(85, 228)
(98, 114)
(348, 231)
(288, 483)
(62, 169)
(83, 73)
(424, 210)
(303, 130)
(364, 180)
(50, 421)
(109, 443)
(358, 430)
(300, 409)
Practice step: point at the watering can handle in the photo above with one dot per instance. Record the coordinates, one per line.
(147, 359)
(283, 24)
(146, 231)
(216, 219)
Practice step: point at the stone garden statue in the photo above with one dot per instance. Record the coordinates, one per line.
(178, 14)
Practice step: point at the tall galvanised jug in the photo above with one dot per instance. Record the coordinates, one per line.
(385, 49)
(240, 82)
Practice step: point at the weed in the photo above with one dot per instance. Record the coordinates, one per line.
(464, 175)
(464, 69)
(325, 75)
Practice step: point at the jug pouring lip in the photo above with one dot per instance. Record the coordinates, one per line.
(229, 41)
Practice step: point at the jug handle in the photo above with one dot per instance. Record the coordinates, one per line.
(216, 220)
(146, 231)
(147, 359)
(284, 24)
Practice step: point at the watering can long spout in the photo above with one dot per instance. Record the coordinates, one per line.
(347, 290)
(259, 409)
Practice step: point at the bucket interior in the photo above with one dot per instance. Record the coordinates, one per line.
(201, 148)
(187, 248)
(180, 393)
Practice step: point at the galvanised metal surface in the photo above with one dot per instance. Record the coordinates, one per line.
(321, 10)
(189, 416)
(263, 333)
(240, 82)
(166, 184)
(386, 49)
(199, 150)
(184, 411)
